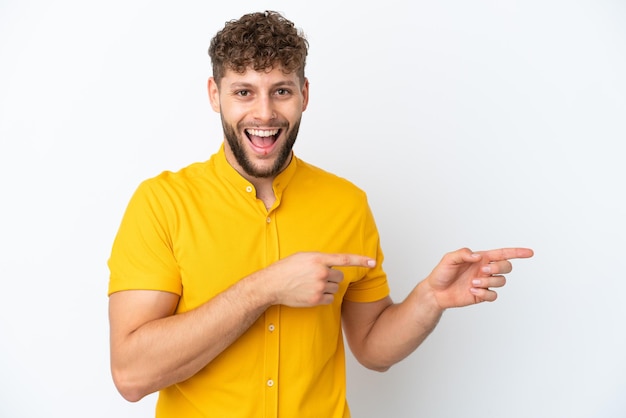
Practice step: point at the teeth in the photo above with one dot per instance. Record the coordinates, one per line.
(263, 133)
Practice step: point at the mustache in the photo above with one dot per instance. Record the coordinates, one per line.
(282, 124)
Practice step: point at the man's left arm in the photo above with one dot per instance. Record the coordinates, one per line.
(382, 333)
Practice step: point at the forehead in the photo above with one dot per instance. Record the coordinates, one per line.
(269, 77)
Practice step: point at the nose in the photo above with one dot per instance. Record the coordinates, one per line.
(264, 108)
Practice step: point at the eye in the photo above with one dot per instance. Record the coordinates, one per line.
(242, 93)
(282, 92)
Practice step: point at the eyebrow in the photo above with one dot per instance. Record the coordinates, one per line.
(243, 84)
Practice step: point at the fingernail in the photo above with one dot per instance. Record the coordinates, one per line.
(371, 263)
(476, 282)
(486, 269)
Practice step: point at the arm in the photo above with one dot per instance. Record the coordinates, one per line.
(382, 333)
(151, 348)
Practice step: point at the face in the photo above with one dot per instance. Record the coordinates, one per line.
(261, 114)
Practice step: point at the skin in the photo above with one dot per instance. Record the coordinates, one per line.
(151, 348)
(265, 101)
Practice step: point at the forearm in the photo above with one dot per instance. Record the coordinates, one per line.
(400, 329)
(151, 348)
(171, 349)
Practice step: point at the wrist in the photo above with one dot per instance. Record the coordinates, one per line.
(258, 288)
(426, 297)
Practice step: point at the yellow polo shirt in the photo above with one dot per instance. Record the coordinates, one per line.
(197, 231)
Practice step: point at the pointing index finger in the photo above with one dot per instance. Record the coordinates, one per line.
(508, 253)
(349, 260)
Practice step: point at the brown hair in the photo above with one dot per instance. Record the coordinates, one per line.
(259, 41)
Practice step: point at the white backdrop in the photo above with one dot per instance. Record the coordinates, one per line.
(480, 124)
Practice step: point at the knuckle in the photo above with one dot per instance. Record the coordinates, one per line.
(321, 273)
(319, 287)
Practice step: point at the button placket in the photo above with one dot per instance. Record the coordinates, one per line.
(272, 356)
(272, 323)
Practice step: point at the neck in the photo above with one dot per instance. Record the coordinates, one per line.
(264, 187)
(265, 192)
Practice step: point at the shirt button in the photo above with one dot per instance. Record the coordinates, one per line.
(271, 328)
(269, 219)
(249, 189)
(270, 383)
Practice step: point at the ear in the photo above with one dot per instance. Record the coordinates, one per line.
(305, 94)
(214, 94)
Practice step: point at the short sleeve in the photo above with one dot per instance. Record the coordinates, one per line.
(142, 256)
(373, 286)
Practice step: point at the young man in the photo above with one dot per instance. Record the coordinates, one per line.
(232, 279)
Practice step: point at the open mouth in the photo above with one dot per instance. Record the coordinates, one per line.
(262, 139)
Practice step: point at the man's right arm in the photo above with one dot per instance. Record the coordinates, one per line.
(151, 348)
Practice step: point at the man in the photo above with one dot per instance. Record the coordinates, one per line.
(232, 279)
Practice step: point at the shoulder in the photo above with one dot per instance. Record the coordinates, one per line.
(318, 179)
(191, 173)
(184, 178)
(169, 190)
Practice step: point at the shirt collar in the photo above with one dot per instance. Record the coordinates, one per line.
(281, 181)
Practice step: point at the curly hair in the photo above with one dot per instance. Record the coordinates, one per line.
(259, 41)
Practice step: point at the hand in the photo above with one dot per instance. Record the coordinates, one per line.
(464, 277)
(308, 279)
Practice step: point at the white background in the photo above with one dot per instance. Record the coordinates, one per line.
(480, 124)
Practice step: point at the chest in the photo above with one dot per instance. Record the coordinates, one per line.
(218, 242)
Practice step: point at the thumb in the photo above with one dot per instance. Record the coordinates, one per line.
(463, 255)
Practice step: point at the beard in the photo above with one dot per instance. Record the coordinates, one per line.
(237, 146)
